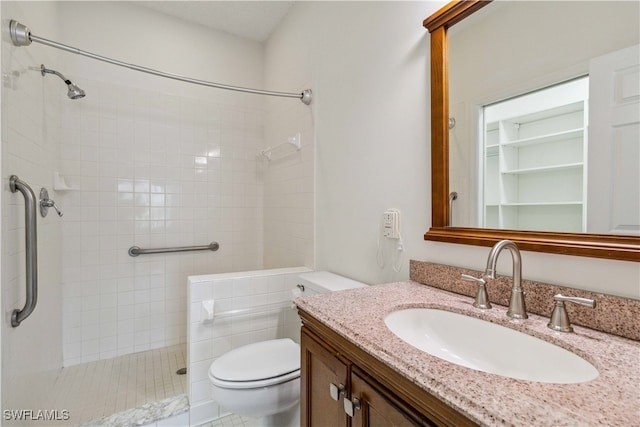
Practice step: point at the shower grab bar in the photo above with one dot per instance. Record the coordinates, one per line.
(136, 250)
(255, 310)
(31, 249)
(21, 36)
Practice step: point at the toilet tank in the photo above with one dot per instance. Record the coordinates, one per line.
(320, 282)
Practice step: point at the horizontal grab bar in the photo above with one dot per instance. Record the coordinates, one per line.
(136, 250)
(254, 311)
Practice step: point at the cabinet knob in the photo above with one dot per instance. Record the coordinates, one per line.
(336, 391)
(351, 406)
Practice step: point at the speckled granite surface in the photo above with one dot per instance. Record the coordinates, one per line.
(612, 399)
(612, 314)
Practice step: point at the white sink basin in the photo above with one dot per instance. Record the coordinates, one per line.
(485, 346)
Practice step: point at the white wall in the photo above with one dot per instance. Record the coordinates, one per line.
(138, 35)
(31, 352)
(289, 178)
(369, 67)
(371, 114)
(152, 163)
(143, 182)
(288, 184)
(157, 163)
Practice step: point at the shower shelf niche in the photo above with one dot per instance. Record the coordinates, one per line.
(292, 141)
(60, 183)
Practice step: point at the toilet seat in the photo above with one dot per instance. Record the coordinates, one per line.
(256, 365)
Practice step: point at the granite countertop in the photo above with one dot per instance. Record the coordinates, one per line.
(611, 399)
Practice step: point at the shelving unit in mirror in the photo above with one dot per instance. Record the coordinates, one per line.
(534, 160)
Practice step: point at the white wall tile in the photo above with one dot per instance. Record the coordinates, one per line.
(31, 111)
(145, 155)
(210, 340)
(200, 350)
(129, 205)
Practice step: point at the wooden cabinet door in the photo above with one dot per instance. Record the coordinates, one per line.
(377, 409)
(320, 368)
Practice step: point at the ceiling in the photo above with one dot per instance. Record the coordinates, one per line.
(254, 20)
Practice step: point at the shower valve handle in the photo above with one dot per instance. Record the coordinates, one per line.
(46, 203)
(51, 204)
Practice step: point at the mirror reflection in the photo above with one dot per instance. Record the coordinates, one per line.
(546, 103)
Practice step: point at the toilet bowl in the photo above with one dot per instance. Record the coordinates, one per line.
(258, 380)
(262, 380)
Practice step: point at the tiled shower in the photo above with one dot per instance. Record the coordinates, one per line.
(151, 170)
(137, 162)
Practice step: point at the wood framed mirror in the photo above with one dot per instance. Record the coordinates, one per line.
(609, 246)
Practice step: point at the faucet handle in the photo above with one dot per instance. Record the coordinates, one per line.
(482, 298)
(559, 320)
(46, 203)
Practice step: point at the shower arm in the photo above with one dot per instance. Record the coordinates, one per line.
(44, 70)
(21, 36)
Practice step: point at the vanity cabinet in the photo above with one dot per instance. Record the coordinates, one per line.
(341, 385)
(324, 377)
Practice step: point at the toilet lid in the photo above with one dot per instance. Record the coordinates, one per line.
(258, 361)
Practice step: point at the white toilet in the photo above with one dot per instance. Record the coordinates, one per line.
(262, 380)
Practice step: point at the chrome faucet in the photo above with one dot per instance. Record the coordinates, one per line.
(517, 309)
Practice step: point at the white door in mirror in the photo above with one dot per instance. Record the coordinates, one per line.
(614, 143)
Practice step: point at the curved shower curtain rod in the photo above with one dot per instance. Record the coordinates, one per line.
(21, 36)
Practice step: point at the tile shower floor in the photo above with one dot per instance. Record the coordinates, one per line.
(233, 420)
(97, 389)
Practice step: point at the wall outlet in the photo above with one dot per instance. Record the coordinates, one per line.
(391, 224)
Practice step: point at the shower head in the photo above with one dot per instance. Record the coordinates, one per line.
(74, 91)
